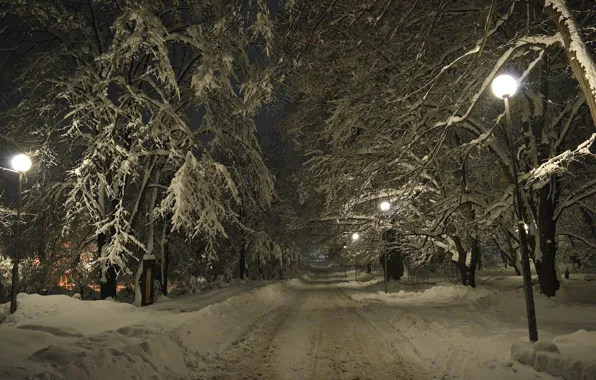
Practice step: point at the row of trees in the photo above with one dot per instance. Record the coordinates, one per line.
(141, 115)
(395, 105)
(140, 118)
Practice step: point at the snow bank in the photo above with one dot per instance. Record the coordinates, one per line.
(572, 356)
(60, 337)
(451, 294)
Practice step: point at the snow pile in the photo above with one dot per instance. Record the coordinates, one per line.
(65, 338)
(451, 294)
(359, 284)
(66, 313)
(572, 356)
(516, 300)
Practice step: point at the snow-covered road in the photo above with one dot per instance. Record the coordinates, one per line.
(321, 334)
(319, 326)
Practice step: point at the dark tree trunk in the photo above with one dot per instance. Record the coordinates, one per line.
(516, 269)
(546, 267)
(475, 252)
(166, 266)
(242, 264)
(468, 274)
(260, 267)
(510, 257)
(461, 260)
(395, 264)
(543, 203)
(107, 287)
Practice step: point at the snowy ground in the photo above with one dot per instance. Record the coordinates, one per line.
(319, 327)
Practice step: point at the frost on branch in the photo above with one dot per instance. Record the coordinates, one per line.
(122, 243)
(540, 176)
(197, 198)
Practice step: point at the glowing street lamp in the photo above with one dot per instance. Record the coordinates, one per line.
(505, 86)
(20, 163)
(355, 236)
(385, 206)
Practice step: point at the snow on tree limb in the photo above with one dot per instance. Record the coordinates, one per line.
(540, 40)
(540, 176)
(580, 59)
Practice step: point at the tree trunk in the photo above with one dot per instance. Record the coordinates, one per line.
(260, 267)
(546, 242)
(468, 274)
(471, 270)
(511, 256)
(108, 274)
(242, 263)
(166, 266)
(461, 260)
(138, 296)
(395, 264)
(108, 288)
(281, 265)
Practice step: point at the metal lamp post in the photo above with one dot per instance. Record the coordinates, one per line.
(355, 237)
(385, 206)
(505, 86)
(20, 164)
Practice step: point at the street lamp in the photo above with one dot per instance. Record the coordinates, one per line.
(385, 206)
(20, 164)
(505, 86)
(355, 237)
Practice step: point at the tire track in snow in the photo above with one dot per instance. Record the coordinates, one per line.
(323, 334)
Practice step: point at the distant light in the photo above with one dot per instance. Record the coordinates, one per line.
(385, 206)
(21, 163)
(345, 246)
(504, 86)
(355, 236)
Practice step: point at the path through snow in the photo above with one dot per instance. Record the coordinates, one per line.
(322, 334)
(318, 327)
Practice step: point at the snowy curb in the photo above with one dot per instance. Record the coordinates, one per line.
(546, 356)
(138, 344)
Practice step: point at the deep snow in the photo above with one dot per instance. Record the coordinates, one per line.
(320, 326)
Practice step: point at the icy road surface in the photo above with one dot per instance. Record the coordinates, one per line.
(321, 334)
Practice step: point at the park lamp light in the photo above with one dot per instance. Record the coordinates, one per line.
(504, 86)
(355, 236)
(385, 206)
(21, 163)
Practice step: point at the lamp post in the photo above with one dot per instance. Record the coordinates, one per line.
(355, 237)
(505, 86)
(20, 164)
(385, 206)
